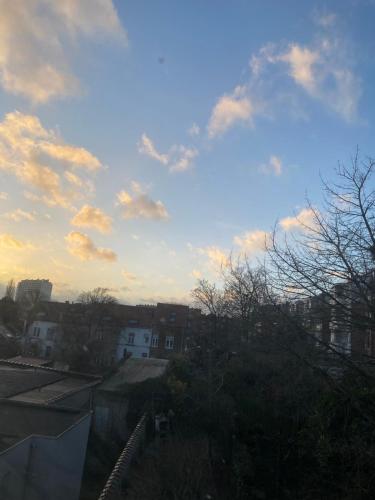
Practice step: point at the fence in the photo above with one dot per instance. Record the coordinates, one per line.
(112, 489)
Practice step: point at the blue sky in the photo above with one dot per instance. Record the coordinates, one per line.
(141, 142)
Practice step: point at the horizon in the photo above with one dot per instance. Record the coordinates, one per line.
(143, 144)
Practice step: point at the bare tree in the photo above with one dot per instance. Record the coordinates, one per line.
(332, 257)
(86, 329)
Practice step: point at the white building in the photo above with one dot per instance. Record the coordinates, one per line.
(42, 338)
(135, 341)
(34, 289)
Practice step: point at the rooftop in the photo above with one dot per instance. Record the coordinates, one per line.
(38, 384)
(133, 371)
(19, 420)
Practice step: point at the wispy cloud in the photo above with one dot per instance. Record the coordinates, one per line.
(18, 215)
(9, 242)
(139, 205)
(92, 217)
(128, 276)
(34, 36)
(323, 68)
(274, 166)
(146, 147)
(178, 159)
(194, 130)
(40, 159)
(3, 195)
(81, 246)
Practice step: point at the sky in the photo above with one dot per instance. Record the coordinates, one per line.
(141, 143)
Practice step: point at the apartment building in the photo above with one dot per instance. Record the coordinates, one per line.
(31, 290)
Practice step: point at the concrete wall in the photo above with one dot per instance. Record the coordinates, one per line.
(45, 468)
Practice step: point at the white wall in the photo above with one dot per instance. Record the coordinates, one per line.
(46, 468)
(139, 348)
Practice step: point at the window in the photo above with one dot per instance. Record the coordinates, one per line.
(146, 338)
(50, 333)
(36, 331)
(155, 341)
(169, 342)
(133, 322)
(131, 336)
(172, 317)
(144, 355)
(48, 351)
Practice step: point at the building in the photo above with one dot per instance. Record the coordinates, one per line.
(33, 290)
(42, 338)
(42, 451)
(134, 341)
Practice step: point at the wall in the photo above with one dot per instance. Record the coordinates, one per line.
(54, 469)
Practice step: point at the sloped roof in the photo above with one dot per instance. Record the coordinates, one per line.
(133, 371)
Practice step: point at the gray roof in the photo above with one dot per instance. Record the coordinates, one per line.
(20, 420)
(38, 384)
(135, 370)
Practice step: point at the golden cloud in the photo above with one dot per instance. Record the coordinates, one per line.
(92, 217)
(34, 35)
(81, 246)
(9, 242)
(140, 206)
(40, 159)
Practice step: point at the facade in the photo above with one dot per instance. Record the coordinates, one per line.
(107, 332)
(42, 451)
(134, 341)
(42, 338)
(29, 290)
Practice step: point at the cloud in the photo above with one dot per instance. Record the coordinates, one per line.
(81, 246)
(304, 220)
(139, 205)
(7, 241)
(40, 159)
(128, 276)
(216, 256)
(19, 214)
(324, 69)
(94, 218)
(301, 61)
(194, 130)
(146, 147)
(35, 38)
(229, 110)
(273, 166)
(183, 159)
(3, 195)
(252, 242)
(178, 159)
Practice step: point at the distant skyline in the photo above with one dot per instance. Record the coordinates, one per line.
(143, 142)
